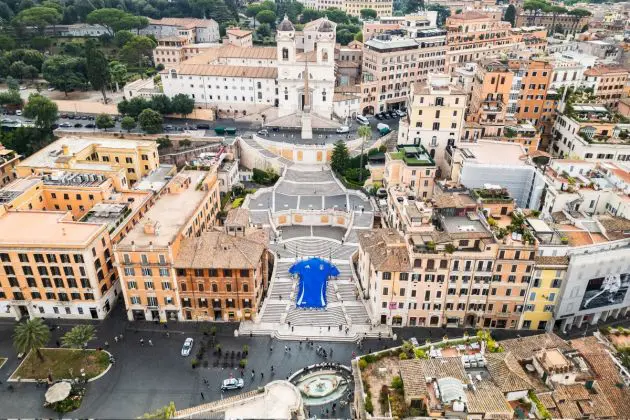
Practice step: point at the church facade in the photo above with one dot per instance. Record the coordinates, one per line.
(240, 81)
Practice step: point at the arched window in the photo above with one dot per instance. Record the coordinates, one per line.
(324, 95)
(325, 55)
(245, 287)
(285, 54)
(173, 74)
(215, 287)
(286, 94)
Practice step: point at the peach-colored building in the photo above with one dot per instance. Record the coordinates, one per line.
(8, 160)
(410, 168)
(240, 37)
(608, 83)
(474, 35)
(187, 206)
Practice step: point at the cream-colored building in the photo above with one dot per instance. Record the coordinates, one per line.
(239, 37)
(411, 169)
(435, 116)
(381, 7)
(125, 161)
(8, 160)
(187, 206)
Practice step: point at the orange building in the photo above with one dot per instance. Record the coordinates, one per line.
(8, 160)
(608, 83)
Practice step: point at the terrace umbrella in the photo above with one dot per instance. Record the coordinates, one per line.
(58, 392)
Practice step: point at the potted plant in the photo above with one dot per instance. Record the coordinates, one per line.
(194, 363)
(245, 350)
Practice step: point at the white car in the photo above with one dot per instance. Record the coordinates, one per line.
(362, 120)
(232, 383)
(414, 342)
(401, 113)
(18, 113)
(343, 129)
(187, 347)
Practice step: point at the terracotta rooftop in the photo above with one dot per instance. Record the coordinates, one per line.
(549, 260)
(488, 400)
(616, 227)
(387, 249)
(237, 32)
(228, 71)
(412, 375)
(219, 250)
(523, 348)
(604, 70)
(507, 373)
(187, 23)
(470, 15)
(238, 216)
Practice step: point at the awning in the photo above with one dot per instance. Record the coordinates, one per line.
(58, 392)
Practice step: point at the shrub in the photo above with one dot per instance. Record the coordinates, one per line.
(397, 383)
(383, 398)
(194, 363)
(362, 363)
(420, 354)
(243, 363)
(403, 356)
(369, 407)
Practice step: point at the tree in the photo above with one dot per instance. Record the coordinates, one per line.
(337, 15)
(39, 17)
(536, 6)
(368, 14)
(412, 6)
(122, 37)
(266, 16)
(6, 14)
(97, 67)
(21, 71)
(344, 37)
(164, 143)
(31, 334)
(117, 73)
(161, 104)
(212, 9)
(12, 84)
(150, 121)
(166, 412)
(11, 97)
(340, 157)
(42, 110)
(253, 9)
(365, 132)
(7, 43)
(64, 73)
(510, 15)
(78, 336)
(291, 8)
(128, 123)
(116, 20)
(138, 51)
(263, 30)
(182, 104)
(309, 15)
(104, 121)
(31, 57)
(358, 36)
(443, 13)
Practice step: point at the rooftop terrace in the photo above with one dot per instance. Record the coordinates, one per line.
(412, 155)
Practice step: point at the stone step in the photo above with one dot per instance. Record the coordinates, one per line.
(332, 316)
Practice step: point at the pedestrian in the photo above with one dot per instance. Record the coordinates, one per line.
(202, 397)
(292, 329)
(151, 343)
(329, 328)
(121, 337)
(107, 344)
(280, 297)
(354, 354)
(340, 327)
(253, 375)
(142, 342)
(262, 376)
(300, 345)
(286, 349)
(58, 343)
(331, 352)
(270, 349)
(272, 368)
(116, 338)
(168, 335)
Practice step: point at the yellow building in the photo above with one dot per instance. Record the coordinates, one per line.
(125, 161)
(381, 7)
(8, 160)
(186, 207)
(543, 292)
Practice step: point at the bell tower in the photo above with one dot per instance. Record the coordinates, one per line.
(285, 40)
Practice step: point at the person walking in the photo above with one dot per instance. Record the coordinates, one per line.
(107, 344)
(272, 368)
(202, 397)
(151, 343)
(116, 338)
(142, 342)
(121, 337)
(253, 374)
(262, 376)
(286, 348)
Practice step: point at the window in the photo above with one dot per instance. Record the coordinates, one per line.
(148, 285)
(244, 273)
(385, 291)
(227, 273)
(387, 275)
(130, 271)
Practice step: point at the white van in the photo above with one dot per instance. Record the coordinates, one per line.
(343, 129)
(362, 120)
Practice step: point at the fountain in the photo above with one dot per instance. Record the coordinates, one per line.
(323, 385)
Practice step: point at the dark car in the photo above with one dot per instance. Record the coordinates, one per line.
(90, 125)
(78, 125)
(379, 116)
(168, 128)
(203, 126)
(63, 116)
(385, 115)
(85, 117)
(70, 117)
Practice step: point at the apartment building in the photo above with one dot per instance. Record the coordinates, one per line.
(544, 292)
(54, 267)
(348, 61)
(608, 83)
(173, 50)
(487, 110)
(435, 116)
(187, 206)
(589, 132)
(382, 7)
(125, 161)
(568, 23)
(412, 169)
(475, 35)
(8, 160)
(239, 37)
(196, 31)
(222, 277)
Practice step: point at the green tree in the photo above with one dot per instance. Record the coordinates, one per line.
(20, 70)
(122, 37)
(104, 121)
(266, 16)
(7, 43)
(212, 9)
(365, 132)
(368, 14)
(12, 84)
(536, 6)
(11, 97)
(31, 57)
(412, 6)
(340, 157)
(150, 121)
(337, 15)
(164, 143)
(510, 15)
(97, 67)
(117, 73)
(166, 412)
(291, 8)
(358, 36)
(182, 104)
(78, 336)
(31, 334)
(42, 110)
(39, 17)
(128, 123)
(253, 9)
(138, 51)
(116, 20)
(344, 37)
(263, 30)
(309, 15)
(161, 104)
(65, 73)
(6, 14)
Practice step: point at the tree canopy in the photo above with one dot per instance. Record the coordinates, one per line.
(367, 14)
(64, 72)
(116, 20)
(150, 121)
(42, 110)
(39, 17)
(97, 67)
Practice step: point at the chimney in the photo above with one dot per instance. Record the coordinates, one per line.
(65, 150)
(151, 227)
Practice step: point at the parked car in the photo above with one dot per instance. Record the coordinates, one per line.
(89, 125)
(18, 112)
(50, 89)
(85, 117)
(263, 132)
(385, 115)
(203, 126)
(168, 128)
(63, 115)
(78, 125)
(65, 125)
(232, 383)
(70, 116)
(343, 129)
(379, 116)
(401, 113)
(414, 342)
(187, 347)
(362, 120)
(392, 114)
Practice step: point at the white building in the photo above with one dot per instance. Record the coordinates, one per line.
(196, 30)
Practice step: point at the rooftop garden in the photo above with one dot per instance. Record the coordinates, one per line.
(487, 195)
(412, 155)
(517, 225)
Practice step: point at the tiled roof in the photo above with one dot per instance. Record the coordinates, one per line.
(604, 70)
(507, 373)
(412, 375)
(615, 226)
(219, 250)
(228, 71)
(469, 16)
(549, 260)
(444, 367)
(489, 400)
(238, 216)
(239, 33)
(575, 401)
(182, 22)
(387, 249)
(523, 348)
